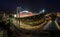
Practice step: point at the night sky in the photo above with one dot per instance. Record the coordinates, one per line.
(31, 5)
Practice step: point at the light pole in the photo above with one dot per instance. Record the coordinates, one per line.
(18, 10)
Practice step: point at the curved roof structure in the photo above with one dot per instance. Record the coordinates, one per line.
(25, 14)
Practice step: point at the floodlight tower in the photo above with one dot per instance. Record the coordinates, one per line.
(42, 12)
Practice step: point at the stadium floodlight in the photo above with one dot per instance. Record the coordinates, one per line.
(43, 10)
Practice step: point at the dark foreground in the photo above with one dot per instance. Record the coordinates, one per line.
(9, 30)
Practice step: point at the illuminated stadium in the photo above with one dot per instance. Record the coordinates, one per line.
(30, 21)
(30, 18)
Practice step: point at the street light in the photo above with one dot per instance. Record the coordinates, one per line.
(15, 15)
